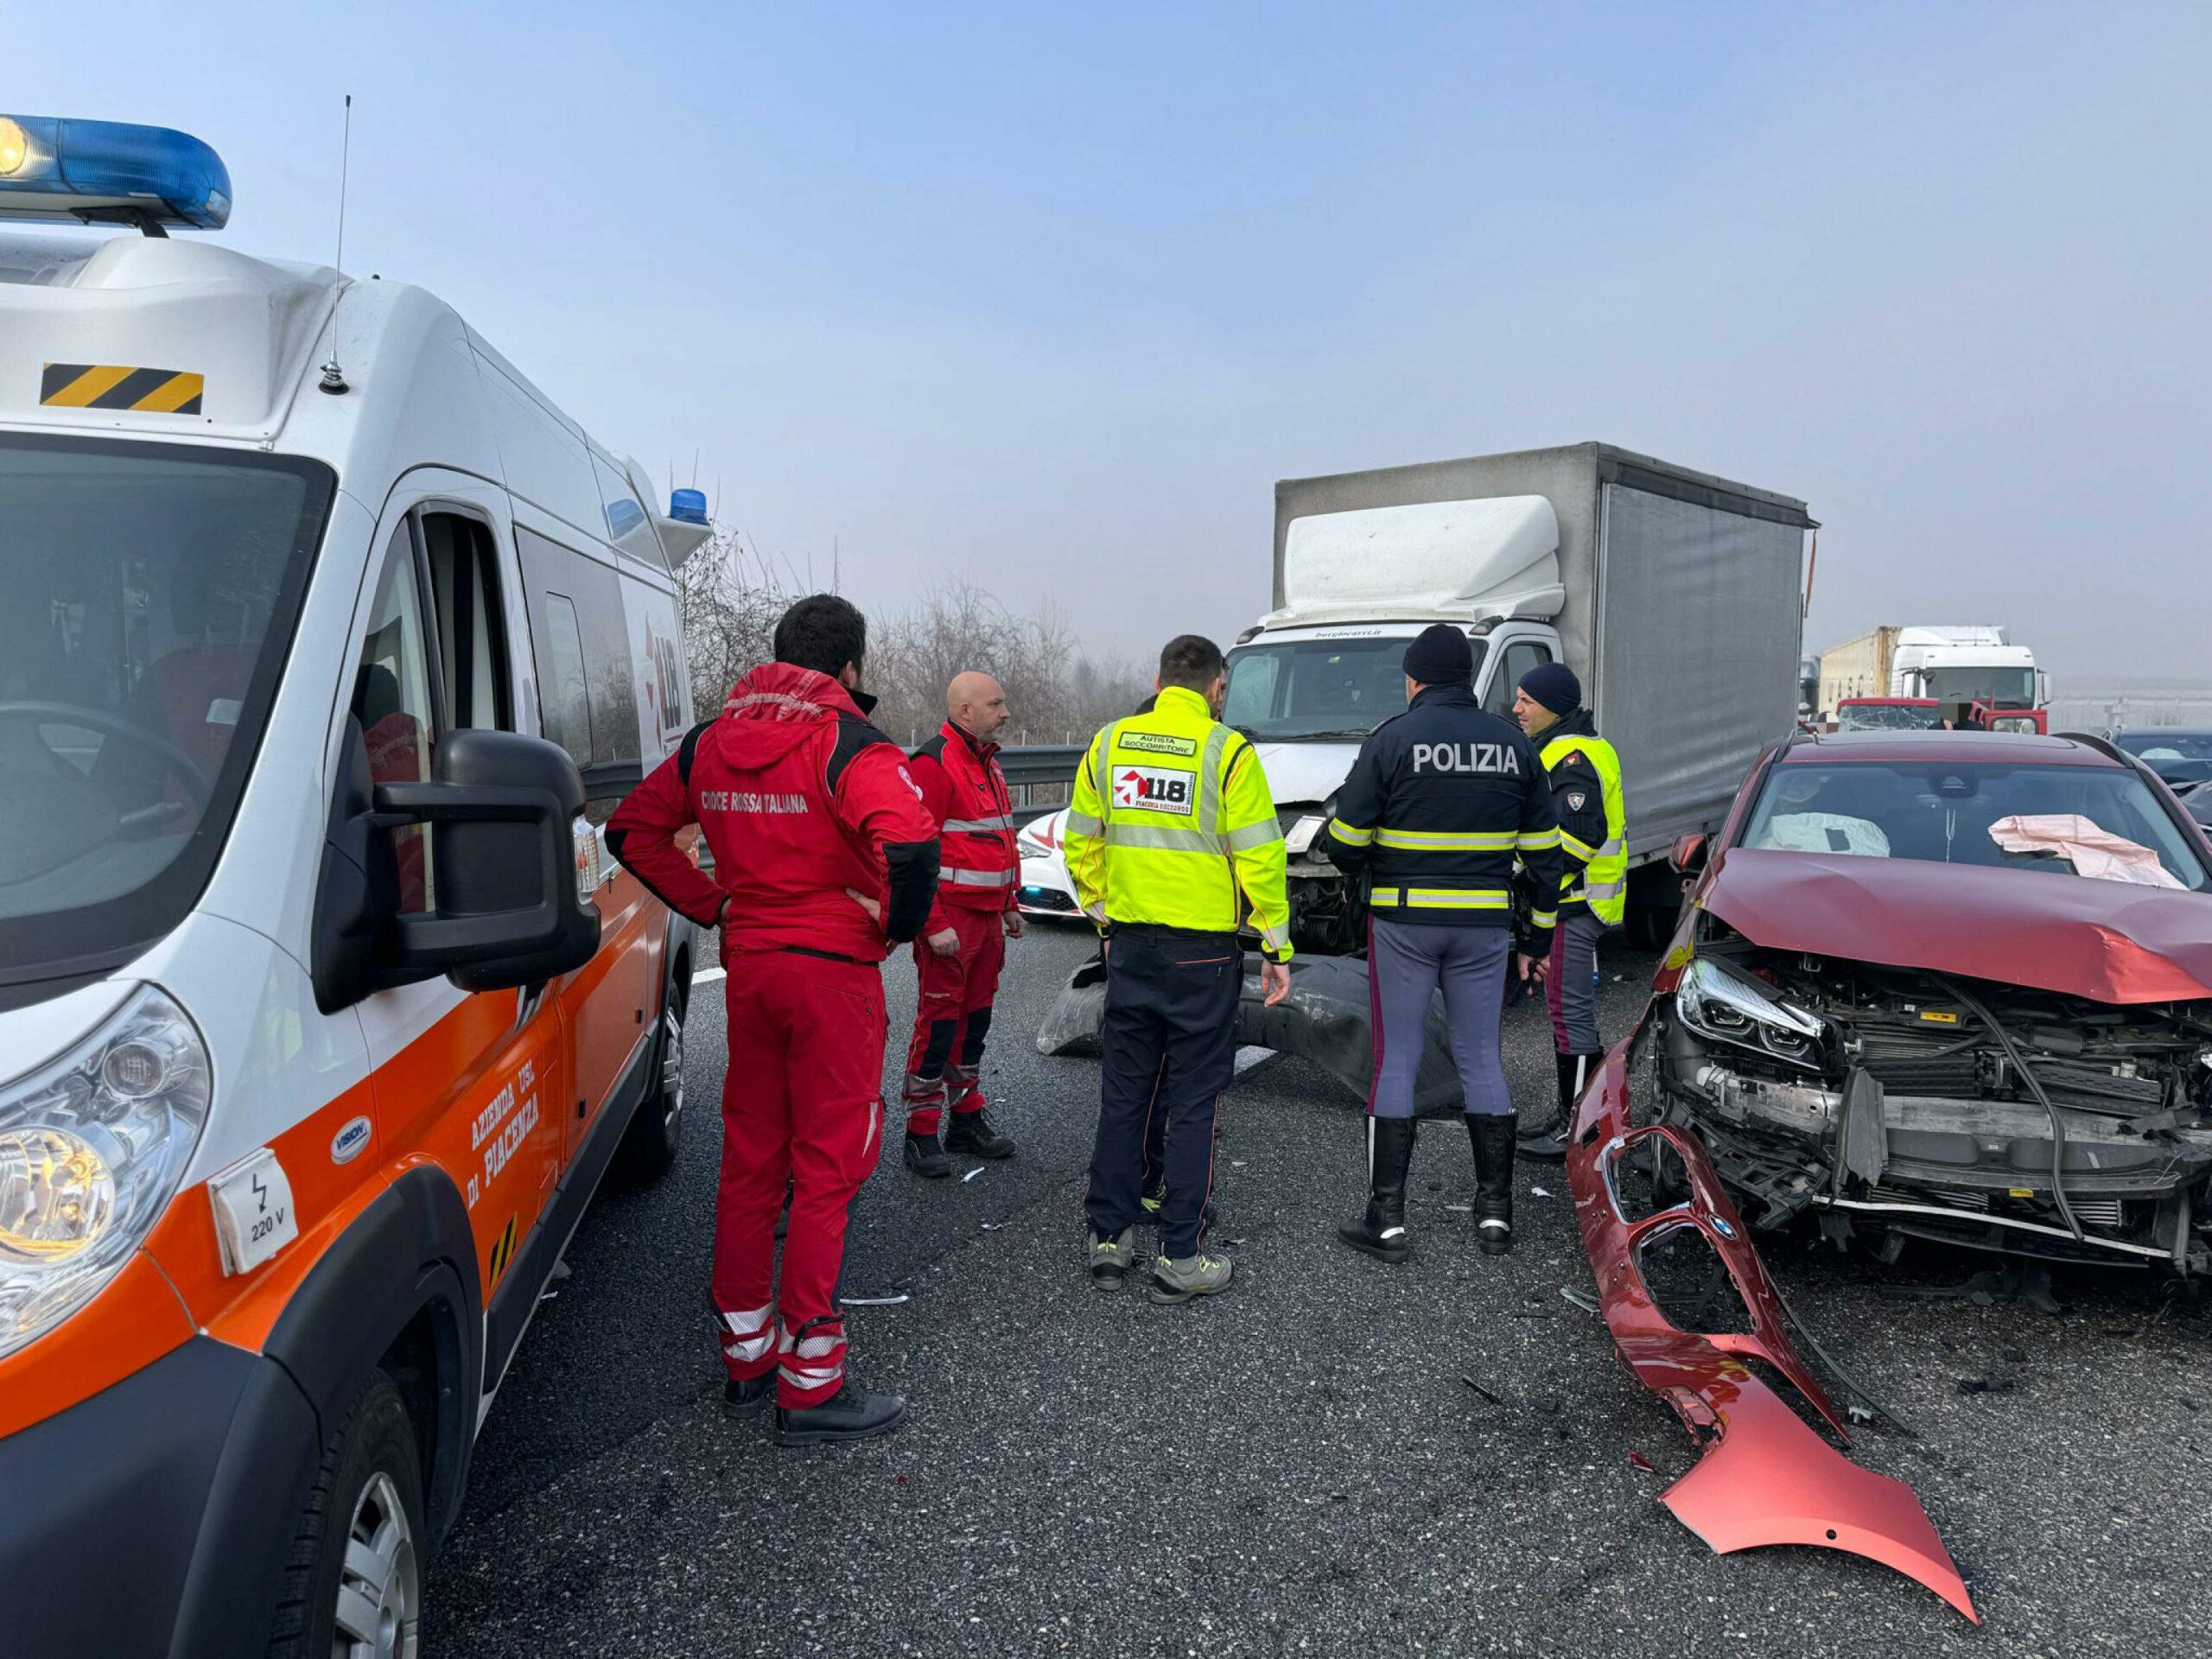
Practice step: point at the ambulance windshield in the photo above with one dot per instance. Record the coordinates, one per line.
(147, 596)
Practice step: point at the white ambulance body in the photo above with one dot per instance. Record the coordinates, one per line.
(326, 642)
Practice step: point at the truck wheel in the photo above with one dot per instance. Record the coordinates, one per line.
(353, 1581)
(656, 1132)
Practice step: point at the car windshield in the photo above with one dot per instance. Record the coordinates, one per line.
(150, 594)
(1318, 688)
(2008, 688)
(2091, 821)
(1888, 716)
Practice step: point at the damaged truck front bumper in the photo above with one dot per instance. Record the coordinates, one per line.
(1764, 1476)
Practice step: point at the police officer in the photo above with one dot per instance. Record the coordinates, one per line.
(1440, 801)
(1586, 785)
(1172, 817)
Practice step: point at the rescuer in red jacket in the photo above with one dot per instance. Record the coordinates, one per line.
(958, 957)
(825, 857)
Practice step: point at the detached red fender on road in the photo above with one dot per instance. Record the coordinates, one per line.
(1764, 1476)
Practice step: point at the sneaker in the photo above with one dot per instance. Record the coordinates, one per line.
(1179, 1280)
(741, 1397)
(925, 1158)
(850, 1414)
(1111, 1258)
(971, 1133)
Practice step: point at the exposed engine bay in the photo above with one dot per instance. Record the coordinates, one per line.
(1896, 1100)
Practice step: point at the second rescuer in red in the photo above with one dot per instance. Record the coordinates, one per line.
(825, 857)
(958, 957)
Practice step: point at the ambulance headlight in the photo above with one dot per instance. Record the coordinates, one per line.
(92, 1146)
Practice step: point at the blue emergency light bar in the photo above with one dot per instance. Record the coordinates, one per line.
(688, 506)
(109, 172)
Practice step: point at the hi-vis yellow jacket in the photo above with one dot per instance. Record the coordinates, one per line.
(1172, 816)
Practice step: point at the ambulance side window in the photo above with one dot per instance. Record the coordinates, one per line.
(391, 700)
(471, 643)
(562, 697)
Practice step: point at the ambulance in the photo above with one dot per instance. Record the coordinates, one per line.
(327, 643)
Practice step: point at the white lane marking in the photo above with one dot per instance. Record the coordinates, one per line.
(1251, 1055)
(699, 975)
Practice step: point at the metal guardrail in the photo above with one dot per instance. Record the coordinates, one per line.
(1040, 775)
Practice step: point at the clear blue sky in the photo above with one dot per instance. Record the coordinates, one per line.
(1049, 296)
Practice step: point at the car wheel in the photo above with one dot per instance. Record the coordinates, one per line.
(656, 1131)
(354, 1582)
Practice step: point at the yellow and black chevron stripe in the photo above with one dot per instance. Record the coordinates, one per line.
(114, 385)
(503, 1253)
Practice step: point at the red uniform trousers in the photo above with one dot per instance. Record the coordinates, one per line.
(803, 1098)
(952, 1017)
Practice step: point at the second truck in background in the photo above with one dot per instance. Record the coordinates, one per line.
(1971, 662)
(1675, 595)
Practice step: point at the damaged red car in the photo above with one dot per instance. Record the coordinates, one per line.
(1956, 985)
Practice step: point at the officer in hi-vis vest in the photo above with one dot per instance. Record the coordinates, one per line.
(1586, 783)
(1440, 803)
(1170, 833)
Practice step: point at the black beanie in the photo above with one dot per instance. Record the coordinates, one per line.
(1439, 655)
(1554, 685)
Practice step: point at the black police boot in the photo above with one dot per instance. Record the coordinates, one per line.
(1491, 1135)
(850, 1414)
(1381, 1231)
(971, 1133)
(741, 1399)
(925, 1158)
(1545, 1135)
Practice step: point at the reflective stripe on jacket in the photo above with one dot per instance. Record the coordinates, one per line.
(1440, 803)
(964, 790)
(1172, 819)
(1593, 832)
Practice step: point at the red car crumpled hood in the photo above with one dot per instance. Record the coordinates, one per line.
(2104, 940)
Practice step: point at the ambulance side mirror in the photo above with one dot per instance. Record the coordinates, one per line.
(501, 872)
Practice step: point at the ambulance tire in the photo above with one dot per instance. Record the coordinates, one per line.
(368, 1493)
(656, 1132)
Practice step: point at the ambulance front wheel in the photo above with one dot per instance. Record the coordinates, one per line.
(354, 1584)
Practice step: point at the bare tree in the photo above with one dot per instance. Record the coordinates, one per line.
(729, 596)
(728, 600)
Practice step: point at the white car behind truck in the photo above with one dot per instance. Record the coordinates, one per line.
(1675, 596)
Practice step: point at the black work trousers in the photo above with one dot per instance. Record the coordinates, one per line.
(1167, 1045)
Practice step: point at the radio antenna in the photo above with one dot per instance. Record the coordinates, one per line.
(334, 379)
(345, 165)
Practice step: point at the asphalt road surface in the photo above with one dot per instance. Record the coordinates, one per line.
(1299, 1467)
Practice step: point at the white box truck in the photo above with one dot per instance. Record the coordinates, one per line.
(1948, 663)
(1675, 595)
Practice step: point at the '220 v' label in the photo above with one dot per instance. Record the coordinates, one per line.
(1154, 789)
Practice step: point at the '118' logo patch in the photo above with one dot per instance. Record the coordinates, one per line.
(1153, 789)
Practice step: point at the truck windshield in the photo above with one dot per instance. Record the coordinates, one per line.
(1318, 688)
(2008, 688)
(150, 592)
(2094, 821)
